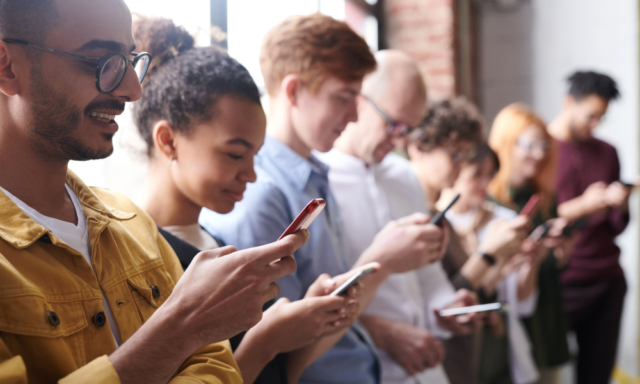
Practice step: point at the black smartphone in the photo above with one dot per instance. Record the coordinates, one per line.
(437, 219)
(575, 226)
(540, 232)
(353, 280)
(628, 185)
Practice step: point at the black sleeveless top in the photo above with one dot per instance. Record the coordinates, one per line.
(275, 372)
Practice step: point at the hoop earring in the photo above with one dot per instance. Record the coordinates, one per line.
(170, 160)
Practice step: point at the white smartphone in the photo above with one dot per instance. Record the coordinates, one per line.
(474, 309)
(353, 280)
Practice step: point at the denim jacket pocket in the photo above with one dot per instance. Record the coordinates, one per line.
(151, 289)
(32, 315)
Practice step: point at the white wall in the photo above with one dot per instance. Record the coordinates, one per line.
(125, 169)
(527, 56)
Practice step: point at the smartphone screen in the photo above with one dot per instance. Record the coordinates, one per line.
(305, 217)
(353, 280)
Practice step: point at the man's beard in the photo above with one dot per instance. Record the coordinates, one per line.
(54, 122)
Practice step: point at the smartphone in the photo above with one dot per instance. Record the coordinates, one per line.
(575, 226)
(540, 232)
(353, 280)
(305, 217)
(474, 309)
(628, 185)
(437, 219)
(530, 208)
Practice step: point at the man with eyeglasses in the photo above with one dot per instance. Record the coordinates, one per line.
(372, 187)
(89, 291)
(589, 187)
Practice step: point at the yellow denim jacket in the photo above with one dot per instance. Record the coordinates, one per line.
(49, 294)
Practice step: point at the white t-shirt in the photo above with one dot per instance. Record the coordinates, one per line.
(75, 236)
(523, 367)
(194, 235)
(369, 197)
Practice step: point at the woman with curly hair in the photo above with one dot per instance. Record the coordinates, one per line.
(201, 118)
(450, 134)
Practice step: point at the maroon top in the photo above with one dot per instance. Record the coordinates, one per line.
(581, 164)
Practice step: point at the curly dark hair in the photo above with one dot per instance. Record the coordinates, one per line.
(449, 122)
(582, 84)
(184, 82)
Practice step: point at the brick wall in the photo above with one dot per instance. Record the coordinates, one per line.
(425, 29)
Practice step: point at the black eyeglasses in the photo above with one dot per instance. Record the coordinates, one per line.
(110, 69)
(393, 127)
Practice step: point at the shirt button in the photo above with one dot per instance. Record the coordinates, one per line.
(53, 318)
(99, 319)
(155, 291)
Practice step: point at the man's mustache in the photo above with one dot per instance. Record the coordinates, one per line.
(110, 105)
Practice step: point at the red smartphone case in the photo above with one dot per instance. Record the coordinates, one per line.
(530, 208)
(305, 217)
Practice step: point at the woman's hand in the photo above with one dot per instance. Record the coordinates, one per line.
(504, 238)
(461, 324)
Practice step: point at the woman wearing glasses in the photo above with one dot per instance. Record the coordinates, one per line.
(528, 157)
(450, 134)
(201, 117)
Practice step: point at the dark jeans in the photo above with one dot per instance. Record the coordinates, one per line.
(594, 309)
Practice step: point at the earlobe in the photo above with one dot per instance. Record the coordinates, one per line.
(164, 141)
(8, 81)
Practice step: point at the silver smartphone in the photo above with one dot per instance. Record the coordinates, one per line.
(474, 309)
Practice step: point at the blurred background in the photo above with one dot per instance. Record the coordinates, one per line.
(494, 52)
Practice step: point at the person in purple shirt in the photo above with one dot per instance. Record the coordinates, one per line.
(588, 189)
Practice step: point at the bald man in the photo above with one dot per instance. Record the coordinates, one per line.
(372, 187)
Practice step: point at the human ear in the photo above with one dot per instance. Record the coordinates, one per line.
(164, 140)
(413, 151)
(8, 80)
(290, 88)
(569, 102)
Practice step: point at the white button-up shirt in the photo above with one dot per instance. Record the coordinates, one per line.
(369, 197)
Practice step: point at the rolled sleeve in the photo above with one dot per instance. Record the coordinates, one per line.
(213, 364)
(99, 371)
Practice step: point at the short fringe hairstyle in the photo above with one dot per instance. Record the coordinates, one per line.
(314, 47)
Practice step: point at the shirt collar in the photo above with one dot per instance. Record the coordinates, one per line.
(19, 230)
(295, 167)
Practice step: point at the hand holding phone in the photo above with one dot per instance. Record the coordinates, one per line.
(353, 281)
(541, 231)
(437, 219)
(305, 217)
(575, 226)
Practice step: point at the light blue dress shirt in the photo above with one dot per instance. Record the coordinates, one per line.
(286, 183)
